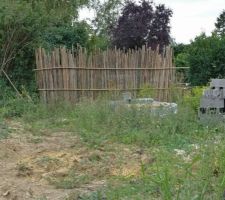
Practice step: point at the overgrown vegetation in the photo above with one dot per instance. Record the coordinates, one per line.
(27, 25)
(4, 131)
(188, 156)
(204, 55)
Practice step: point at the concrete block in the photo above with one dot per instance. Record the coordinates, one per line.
(212, 103)
(217, 83)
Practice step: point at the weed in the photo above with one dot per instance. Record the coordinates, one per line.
(47, 161)
(192, 97)
(147, 92)
(72, 180)
(4, 130)
(95, 157)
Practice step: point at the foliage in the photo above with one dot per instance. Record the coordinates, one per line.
(106, 15)
(97, 42)
(62, 10)
(18, 27)
(206, 59)
(182, 60)
(6, 92)
(4, 130)
(147, 91)
(21, 71)
(65, 35)
(220, 24)
(204, 55)
(179, 48)
(26, 25)
(141, 24)
(16, 107)
(181, 55)
(192, 98)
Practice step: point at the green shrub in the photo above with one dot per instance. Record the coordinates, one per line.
(17, 107)
(192, 97)
(6, 92)
(206, 58)
(4, 130)
(147, 91)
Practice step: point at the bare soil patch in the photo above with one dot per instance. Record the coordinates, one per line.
(59, 166)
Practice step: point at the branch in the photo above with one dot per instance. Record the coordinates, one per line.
(11, 83)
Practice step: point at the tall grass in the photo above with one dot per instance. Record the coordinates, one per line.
(97, 122)
(198, 174)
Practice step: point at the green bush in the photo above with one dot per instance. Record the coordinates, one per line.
(206, 59)
(15, 106)
(192, 98)
(6, 92)
(147, 91)
(4, 130)
(36, 24)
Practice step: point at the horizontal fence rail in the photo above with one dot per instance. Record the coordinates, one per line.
(70, 76)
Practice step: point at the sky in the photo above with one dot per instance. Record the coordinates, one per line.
(190, 17)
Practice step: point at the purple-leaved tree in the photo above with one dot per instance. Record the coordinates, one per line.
(142, 24)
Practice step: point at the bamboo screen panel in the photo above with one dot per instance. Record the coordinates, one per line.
(65, 75)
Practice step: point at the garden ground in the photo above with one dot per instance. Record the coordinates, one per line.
(36, 167)
(91, 151)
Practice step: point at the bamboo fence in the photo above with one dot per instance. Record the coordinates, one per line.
(70, 76)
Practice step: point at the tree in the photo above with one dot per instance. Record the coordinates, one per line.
(97, 42)
(205, 55)
(179, 48)
(142, 24)
(19, 28)
(26, 25)
(65, 35)
(63, 9)
(181, 60)
(206, 58)
(106, 14)
(220, 24)
(159, 33)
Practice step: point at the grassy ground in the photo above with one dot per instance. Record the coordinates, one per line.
(135, 154)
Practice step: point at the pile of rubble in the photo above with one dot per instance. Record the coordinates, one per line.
(155, 107)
